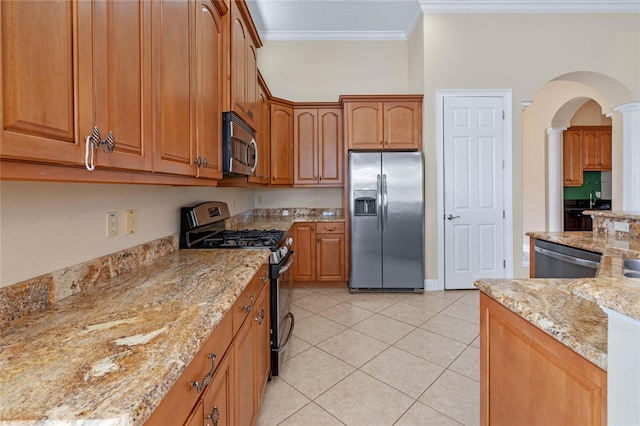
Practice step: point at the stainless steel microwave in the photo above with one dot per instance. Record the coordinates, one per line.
(239, 149)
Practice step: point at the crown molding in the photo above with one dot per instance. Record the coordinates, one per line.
(334, 35)
(521, 6)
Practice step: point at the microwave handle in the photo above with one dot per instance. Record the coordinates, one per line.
(255, 149)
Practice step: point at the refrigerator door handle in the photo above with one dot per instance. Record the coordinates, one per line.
(385, 202)
(379, 203)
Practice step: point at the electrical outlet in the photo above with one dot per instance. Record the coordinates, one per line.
(315, 199)
(112, 224)
(621, 226)
(129, 222)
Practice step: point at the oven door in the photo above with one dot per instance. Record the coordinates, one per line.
(282, 320)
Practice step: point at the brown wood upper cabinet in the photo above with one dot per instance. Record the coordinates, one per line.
(281, 143)
(383, 122)
(585, 148)
(68, 67)
(244, 65)
(318, 146)
(263, 136)
(188, 87)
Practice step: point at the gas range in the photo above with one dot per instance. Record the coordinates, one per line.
(202, 226)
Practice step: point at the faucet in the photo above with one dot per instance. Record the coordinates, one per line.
(592, 199)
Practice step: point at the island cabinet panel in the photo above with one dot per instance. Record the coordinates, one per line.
(281, 144)
(46, 112)
(391, 122)
(528, 377)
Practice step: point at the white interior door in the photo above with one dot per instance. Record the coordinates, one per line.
(473, 190)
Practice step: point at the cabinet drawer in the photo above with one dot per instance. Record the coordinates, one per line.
(330, 228)
(247, 299)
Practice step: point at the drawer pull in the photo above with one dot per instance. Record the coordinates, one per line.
(247, 308)
(214, 415)
(330, 229)
(199, 386)
(260, 316)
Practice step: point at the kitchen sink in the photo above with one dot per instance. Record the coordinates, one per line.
(631, 268)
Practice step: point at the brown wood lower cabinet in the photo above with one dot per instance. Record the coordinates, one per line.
(224, 383)
(528, 377)
(320, 252)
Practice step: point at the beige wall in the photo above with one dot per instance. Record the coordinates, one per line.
(48, 226)
(590, 114)
(321, 71)
(520, 52)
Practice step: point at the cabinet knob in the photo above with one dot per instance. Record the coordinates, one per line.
(109, 143)
(214, 415)
(198, 161)
(205, 162)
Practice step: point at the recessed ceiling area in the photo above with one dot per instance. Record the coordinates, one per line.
(393, 19)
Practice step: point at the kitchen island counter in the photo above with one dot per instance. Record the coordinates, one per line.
(112, 352)
(570, 309)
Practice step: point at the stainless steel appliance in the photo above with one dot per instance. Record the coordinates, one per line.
(386, 205)
(239, 149)
(559, 261)
(202, 226)
(575, 219)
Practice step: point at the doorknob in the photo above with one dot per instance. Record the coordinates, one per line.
(451, 217)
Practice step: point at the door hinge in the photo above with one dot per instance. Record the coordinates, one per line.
(504, 264)
(503, 115)
(502, 164)
(504, 215)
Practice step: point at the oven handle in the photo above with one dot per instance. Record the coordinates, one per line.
(286, 267)
(286, 342)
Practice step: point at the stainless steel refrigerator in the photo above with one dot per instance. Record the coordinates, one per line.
(386, 192)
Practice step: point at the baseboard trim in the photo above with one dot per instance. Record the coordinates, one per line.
(431, 285)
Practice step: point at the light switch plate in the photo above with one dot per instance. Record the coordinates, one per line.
(112, 224)
(129, 222)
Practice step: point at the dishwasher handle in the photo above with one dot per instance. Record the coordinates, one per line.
(566, 258)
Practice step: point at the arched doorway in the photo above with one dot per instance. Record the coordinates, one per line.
(543, 121)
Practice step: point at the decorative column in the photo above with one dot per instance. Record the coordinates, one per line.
(630, 156)
(555, 185)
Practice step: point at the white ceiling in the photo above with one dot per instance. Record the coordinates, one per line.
(393, 19)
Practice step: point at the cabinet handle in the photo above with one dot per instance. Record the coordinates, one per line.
(92, 143)
(215, 415)
(198, 161)
(247, 308)
(109, 143)
(199, 386)
(330, 229)
(260, 316)
(205, 162)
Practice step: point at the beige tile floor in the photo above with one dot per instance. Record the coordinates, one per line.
(378, 359)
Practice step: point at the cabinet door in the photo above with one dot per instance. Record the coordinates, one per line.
(330, 146)
(251, 101)
(239, 40)
(572, 158)
(196, 418)
(122, 82)
(172, 84)
(209, 48)
(217, 399)
(305, 146)
(263, 343)
(244, 353)
(281, 145)
(262, 173)
(364, 125)
(46, 105)
(402, 125)
(304, 245)
(596, 149)
(330, 258)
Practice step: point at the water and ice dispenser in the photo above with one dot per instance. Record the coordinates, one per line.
(365, 203)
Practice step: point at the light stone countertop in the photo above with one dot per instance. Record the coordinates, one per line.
(111, 353)
(570, 309)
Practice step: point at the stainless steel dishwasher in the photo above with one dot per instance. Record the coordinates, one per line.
(558, 261)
